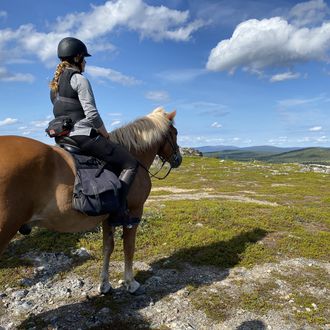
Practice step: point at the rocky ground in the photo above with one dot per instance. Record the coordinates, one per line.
(315, 168)
(50, 300)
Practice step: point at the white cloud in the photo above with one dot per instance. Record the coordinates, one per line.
(102, 45)
(109, 74)
(288, 103)
(115, 123)
(309, 139)
(323, 139)
(18, 61)
(315, 129)
(161, 22)
(158, 96)
(310, 12)
(304, 140)
(155, 22)
(216, 125)
(8, 121)
(194, 141)
(40, 123)
(15, 77)
(259, 44)
(115, 114)
(205, 108)
(181, 76)
(3, 14)
(279, 140)
(284, 76)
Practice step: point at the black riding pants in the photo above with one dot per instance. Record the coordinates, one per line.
(118, 158)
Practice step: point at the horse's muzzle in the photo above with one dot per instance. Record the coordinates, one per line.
(176, 160)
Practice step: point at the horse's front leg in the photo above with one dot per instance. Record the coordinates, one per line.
(129, 235)
(108, 246)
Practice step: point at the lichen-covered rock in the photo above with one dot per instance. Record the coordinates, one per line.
(190, 152)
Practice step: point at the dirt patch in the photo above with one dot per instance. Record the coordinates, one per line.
(315, 227)
(282, 185)
(193, 194)
(272, 238)
(174, 190)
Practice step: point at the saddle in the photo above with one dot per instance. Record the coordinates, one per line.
(68, 144)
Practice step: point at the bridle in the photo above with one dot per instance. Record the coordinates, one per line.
(174, 160)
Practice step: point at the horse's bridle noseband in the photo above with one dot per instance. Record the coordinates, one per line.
(174, 160)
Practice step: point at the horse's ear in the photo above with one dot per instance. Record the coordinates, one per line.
(171, 115)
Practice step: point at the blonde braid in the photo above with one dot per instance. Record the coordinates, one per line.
(59, 69)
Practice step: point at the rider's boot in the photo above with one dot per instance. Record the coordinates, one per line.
(25, 229)
(126, 179)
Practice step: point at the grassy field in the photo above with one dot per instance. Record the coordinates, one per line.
(249, 214)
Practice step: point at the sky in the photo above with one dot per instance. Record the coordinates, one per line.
(239, 72)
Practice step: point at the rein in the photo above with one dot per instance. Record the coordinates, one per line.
(154, 175)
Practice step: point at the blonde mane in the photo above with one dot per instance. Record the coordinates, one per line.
(144, 132)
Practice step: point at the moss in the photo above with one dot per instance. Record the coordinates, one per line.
(262, 297)
(305, 311)
(304, 284)
(12, 269)
(216, 306)
(305, 244)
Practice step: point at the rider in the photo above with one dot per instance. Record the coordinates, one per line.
(72, 95)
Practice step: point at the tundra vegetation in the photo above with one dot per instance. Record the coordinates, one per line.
(220, 216)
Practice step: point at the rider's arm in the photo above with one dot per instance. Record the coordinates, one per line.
(102, 130)
(86, 97)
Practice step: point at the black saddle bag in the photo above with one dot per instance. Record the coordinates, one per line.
(96, 189)
(60, 126)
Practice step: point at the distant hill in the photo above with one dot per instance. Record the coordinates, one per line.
(215, 148)
(268, 149)
(307, 155)
(271, 149)
(294, 155)
(238, 154)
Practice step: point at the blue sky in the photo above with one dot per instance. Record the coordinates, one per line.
(238, 72)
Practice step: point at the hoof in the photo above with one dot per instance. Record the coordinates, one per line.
(139, 291)
(105, 289)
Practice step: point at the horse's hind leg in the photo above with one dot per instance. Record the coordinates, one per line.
(108, 246)
(129, 235)
(5, 237)
(10, 222)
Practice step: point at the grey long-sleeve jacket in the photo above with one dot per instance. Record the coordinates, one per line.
(81, 85)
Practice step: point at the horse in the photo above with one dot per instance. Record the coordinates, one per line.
(36, 186)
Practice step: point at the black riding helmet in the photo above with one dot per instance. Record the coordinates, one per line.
(70, 47)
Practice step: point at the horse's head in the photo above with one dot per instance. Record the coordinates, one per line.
(169, 150)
